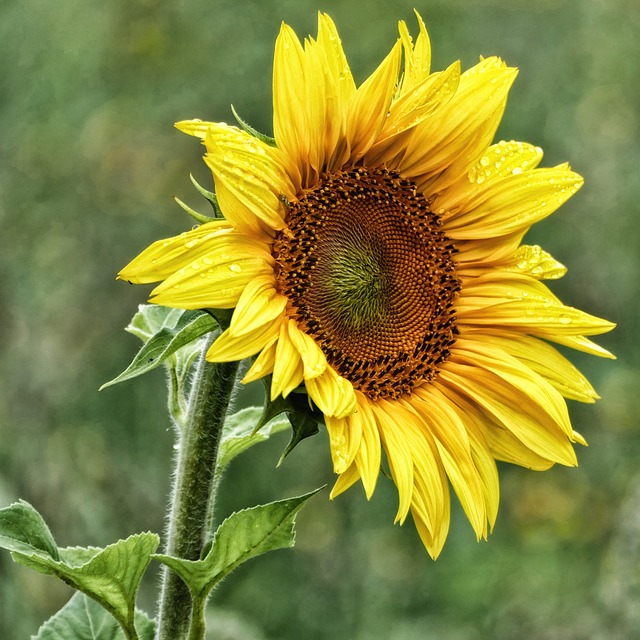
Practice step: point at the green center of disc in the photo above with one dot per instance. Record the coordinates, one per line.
(352, 284)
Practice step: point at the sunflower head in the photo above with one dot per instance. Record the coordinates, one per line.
(372, 255)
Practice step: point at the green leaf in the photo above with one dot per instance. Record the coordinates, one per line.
(243, 429)
(150, 318)
(84, 619)
(23, 530)
(177, 329)
(111, 576)
(242, 536)
(251, 131)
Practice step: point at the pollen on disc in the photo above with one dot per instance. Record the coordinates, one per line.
(370, 275)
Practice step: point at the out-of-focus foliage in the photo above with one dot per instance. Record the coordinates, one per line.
(88, 165)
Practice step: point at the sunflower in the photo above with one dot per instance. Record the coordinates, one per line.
(373, 253)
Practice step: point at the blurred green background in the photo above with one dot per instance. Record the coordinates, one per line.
(89, 164)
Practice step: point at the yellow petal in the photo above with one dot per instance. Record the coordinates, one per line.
(398, 449)
(454, 450)
(196, 128)
(228, 348)
(346, 480)
(502, 444)
(417, 59)
(369, 106)
(501, 160)
(249, 171)
(475, 257)
(165, 257)
(439, 140)
(290, 95)
(483, 459)
(430, 503)
(513, 203)
(581, 343)
(315, 105)
(433, 540)
(536, 262)
(287, 370)
(546, 361)
(512, 409)
(410, 108)
(263, 364)
(430, 499)
(217, 278)
(344, 439)
(331, 87)
(337, 65)
(313, 359)
(258, 303)
(514, 372)
(518, 302)
(488, 472)
(332, 394)
(369, 454)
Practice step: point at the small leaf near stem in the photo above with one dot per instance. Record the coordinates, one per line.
(179, 330)
(243, 429)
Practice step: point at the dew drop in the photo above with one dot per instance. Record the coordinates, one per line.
(236, 268)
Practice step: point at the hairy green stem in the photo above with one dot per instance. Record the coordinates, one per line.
(194, 484)
(198, 623)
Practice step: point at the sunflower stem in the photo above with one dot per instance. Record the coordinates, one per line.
(194, 486)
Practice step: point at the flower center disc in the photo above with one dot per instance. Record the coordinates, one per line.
(370, 276)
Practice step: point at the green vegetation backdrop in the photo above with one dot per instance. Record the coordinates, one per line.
(89, 163)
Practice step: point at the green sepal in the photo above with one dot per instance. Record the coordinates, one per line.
(208, 195)
(164, 331)
(200, 218)
(84, 619)
(251, 131)
(243, 535)
(244, 429)
(304, 420)
(111, 576)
